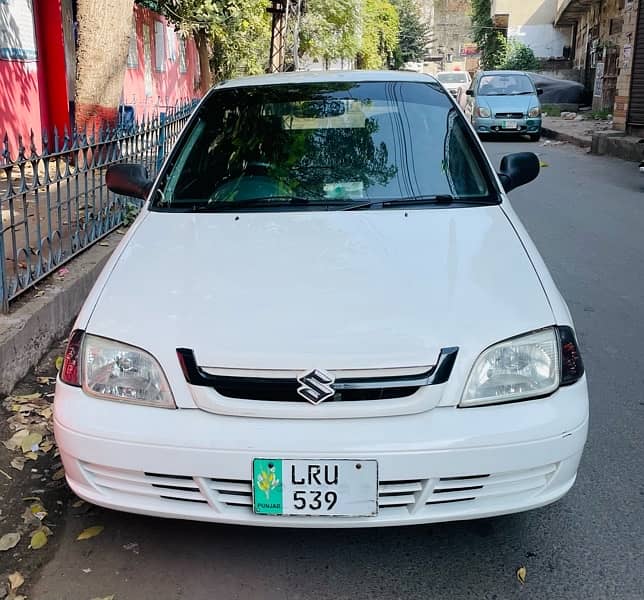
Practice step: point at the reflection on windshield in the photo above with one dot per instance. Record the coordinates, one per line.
(505, 85)
(321, 144)
(452, 78)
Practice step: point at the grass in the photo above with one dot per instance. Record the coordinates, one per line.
(551, 110)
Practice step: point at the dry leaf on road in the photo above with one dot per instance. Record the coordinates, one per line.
(90, 532)
(105, 597)
(521, 573)
(38, 540)
(58, 474)
(59, 363)
(8, 541)
(14, 442)
(16, 580)
(18, 463)
(31, 442)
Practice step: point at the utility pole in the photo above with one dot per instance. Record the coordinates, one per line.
(285, 34)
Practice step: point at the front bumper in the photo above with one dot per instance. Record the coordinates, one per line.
(494, 125)
(442, 465)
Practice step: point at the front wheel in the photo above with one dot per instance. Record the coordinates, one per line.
(535, 137)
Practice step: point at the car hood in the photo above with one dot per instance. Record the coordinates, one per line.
(337, 290)
(507, 104)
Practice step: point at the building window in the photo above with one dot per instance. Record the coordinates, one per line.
(616, 26)
(159, 46)
(133, 51)
(172, 43)
(183, 66)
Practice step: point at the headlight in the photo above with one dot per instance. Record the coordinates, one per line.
(116, 371)
(524, 367)
(535, 111)
(483, 111)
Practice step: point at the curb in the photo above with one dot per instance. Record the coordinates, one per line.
(565, 137)
(38, 320)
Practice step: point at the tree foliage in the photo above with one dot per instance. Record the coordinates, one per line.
(237, 31)
(520, 57)
(329, 29)
(380, 28)
(414, 35)
(489, 39)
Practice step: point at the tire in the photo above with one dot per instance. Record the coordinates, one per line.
(535, 137)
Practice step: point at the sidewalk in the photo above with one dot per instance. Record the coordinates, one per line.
(598, 136)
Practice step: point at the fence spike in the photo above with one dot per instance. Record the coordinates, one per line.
(56, 139)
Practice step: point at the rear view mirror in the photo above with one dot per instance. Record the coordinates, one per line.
(518, 169)
(128, 179)
(539, 91)
(469, 92)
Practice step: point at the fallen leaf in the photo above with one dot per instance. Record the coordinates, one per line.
(8, 541)
(59, 363)
(521, 573)
(38, 510)
(29, 518)
(86, 570)
(105, 244)
(46, 446)
(18, 463)
(45, 380)
(78, 503)
(16, 580)
(105, 597)
(46, 413)
(90, 532)
(26, 398)
(31, 442)
(58, 474)
(543, 164)
(15, 441)
(6, 474)
(39, 294)
(38, 540)
(31, 455)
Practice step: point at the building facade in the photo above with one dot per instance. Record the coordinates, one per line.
(532, 22)
(451, 32)
(605, 52)
(38, 67)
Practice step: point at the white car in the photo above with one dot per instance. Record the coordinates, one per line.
(456, 83)
(326, 315)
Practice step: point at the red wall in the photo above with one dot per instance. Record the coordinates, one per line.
(19, 102)
(169, 85)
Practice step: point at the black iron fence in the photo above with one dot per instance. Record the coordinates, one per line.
(53, 200)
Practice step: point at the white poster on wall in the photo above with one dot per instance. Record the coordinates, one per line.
(599, 79)
(17, 31)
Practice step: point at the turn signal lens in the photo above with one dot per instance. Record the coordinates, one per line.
(572, 367)
(70, 371)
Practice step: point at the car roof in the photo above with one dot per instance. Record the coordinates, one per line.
(503, 73)
(326, 77)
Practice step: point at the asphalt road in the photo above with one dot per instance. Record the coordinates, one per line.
(586, 214)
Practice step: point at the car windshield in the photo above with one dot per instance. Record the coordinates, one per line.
(324, 145)
(452, 77)
(505, 85)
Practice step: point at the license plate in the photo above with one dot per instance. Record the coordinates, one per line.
(334, 488)
(510, 125)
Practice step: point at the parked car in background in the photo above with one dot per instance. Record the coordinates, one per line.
(504, 102)
(327, 314)
(456, 83)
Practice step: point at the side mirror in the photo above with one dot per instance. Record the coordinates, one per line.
(128, 179)
(539, 91)
(469, 92)
(518, 169)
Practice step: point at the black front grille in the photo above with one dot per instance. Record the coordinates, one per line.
(281, 391)
(509, 115)
(346, 389)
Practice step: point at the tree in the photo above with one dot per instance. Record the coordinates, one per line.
(104, 28)
(489, 39)
(520, 57)
(329, 29)
(414, 35)
(379, 39)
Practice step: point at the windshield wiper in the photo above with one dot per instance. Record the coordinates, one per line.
(521, 93)
(411, 201)
(284, 201)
